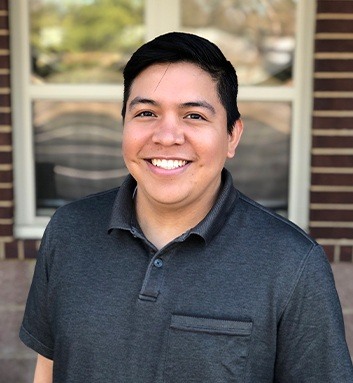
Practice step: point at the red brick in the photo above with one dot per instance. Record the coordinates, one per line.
(6, 230)
(346, 253)
(5, 158)
(333, 103)
(6, 176)
(4, 22)
(6, 212)
(5, 139)
(4, 42)
(5, 118)
(6, 194)
(4, 5)
(30, 249)
(4, 81)
(5, 100)
(332, 161)
(332, 141)
(332, 232)
(5, 62)
(334, 26)
(333, 123)
(332, 179)
(322, 65)
(331, 197)
(338, 45)
(337, 6)
(331, 215)
(343, 85)
(11, 250)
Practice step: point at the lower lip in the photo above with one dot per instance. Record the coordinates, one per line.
(161, 171)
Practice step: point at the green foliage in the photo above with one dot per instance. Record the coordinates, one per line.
(100, 24)
(71, 38)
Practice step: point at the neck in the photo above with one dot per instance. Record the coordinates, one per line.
(162, 224)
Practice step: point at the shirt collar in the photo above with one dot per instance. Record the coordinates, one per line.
(123, 213)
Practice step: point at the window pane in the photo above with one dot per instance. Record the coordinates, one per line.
(257, 36)
(77, 150)
(261, 164)
(83, 41)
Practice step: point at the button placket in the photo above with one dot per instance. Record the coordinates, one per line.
(154, 276)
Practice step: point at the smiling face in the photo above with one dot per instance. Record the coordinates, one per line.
(175, 139)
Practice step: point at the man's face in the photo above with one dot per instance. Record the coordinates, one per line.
(175, 139)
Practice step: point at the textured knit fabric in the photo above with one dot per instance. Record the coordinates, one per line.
(245, 296)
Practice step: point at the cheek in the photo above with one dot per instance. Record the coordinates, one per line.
(127, 145)
(129, 138)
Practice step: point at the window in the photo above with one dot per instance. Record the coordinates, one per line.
(67, 60)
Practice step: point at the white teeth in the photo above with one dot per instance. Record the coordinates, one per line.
(168, 164)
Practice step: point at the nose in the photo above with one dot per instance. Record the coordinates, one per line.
(168, 132)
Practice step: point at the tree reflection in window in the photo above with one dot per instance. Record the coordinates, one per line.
(83, 41)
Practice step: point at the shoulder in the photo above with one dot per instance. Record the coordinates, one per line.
(267, 239)
(92, 210)
(268, 224)
(91, 204)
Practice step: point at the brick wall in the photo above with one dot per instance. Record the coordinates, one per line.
(9, 247)
(331, 209)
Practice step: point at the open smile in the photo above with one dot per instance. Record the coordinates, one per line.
(168, 164)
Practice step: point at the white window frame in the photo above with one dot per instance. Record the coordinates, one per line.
(28, 225)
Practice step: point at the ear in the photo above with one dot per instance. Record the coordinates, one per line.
(234, 137)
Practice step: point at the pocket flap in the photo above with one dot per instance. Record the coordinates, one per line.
(212, 326)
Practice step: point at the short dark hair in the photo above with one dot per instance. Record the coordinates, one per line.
(186, 47)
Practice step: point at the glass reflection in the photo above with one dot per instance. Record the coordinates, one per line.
(257, 36)
(261, 165)
(77, 150)
(83, 41)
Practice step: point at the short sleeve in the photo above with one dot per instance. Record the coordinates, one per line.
(311, 339)
(35, 331)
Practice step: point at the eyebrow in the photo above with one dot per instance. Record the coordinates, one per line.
(140, 100)
(197, 104)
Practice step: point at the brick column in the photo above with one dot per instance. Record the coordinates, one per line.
(9, 246)
(331, 208)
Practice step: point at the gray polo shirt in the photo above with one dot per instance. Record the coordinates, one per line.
(245, 296)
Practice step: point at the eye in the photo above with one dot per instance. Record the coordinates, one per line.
(195, 116)
(145, 113)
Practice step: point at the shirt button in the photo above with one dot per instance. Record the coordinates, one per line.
(158, 262)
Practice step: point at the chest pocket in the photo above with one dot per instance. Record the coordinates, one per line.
(205, 350)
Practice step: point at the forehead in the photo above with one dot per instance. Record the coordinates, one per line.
(180, 76)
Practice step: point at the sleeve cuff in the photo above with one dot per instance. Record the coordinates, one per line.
(35, 344)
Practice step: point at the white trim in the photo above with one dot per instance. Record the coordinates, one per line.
(166, 12)
(34, 230)
(22, 117)
(299, 175)
(266, 93)
(77, 92)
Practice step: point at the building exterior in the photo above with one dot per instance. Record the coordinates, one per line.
(325, 179)
(330, 190)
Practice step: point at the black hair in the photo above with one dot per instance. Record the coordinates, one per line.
(185, 47)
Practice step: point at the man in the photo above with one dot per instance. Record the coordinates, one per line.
(176, 276)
